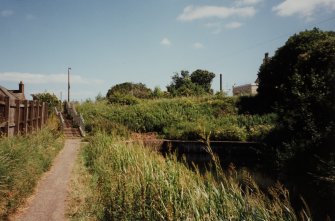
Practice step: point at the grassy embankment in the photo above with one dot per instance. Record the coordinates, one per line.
(116, 180)
(23, 159)
(130, 182)
(179, 118)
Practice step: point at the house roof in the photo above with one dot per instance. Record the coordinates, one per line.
(13, 95)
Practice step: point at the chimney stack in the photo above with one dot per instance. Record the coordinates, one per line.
(21, 87)
(266, 58)
(220, 82)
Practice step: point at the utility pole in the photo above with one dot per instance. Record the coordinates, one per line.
(68, 84)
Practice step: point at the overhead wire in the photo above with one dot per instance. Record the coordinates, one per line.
(256, 45)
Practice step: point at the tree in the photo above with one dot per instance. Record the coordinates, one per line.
(157, 93)
(203, 78)
(198, 83)
(298, 83)
(48, 98)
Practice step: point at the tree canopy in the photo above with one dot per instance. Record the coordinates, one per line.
(48, 98)
(198, 83)
(298, 84)
(203, 78)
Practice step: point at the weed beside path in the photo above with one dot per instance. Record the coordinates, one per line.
(81, 196)
(130, 182)
(49, 202)
(23, 159)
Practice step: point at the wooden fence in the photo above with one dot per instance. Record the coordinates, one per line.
(21, 116)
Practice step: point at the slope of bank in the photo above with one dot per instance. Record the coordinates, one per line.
(125, 181)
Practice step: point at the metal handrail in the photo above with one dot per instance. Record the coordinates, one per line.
(61, 118)
(77, 119)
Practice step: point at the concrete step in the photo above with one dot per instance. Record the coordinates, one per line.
(71, 132)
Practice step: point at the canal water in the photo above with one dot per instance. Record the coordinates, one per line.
(252, 157)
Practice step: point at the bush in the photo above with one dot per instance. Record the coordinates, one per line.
(230, 132)
(117, 98)
(138, 90)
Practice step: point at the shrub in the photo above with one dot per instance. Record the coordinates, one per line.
(230, 132)
(138, 90)
(124, 99)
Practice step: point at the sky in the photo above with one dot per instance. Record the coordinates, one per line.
(107, 42)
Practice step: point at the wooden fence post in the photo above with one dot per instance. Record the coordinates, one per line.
(17, 117)
(43, 114)
(38, 126)
(46, 112)
(25, 118)
(31, 116)
(7, 109)
(34, 116)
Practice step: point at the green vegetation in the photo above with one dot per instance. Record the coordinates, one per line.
(293, 115)
(300, 79)
(198, 83)
(23, 159)
(130, 182)
(298, 84)
(48, 98)
(128, 93)
(179, 118)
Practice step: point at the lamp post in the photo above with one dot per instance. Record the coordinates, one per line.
(68, 84)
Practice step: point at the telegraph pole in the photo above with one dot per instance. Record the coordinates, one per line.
(68, 84)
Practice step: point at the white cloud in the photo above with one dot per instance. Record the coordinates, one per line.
(247, 2)
(303, 8)
(198, 45)
(6, 13)
(31, 78)
(191, 13)
(166, 42)
(233, 25)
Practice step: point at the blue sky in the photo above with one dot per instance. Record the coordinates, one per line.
(107, 42)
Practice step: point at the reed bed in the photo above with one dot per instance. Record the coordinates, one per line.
(23, 159)
(130, 182)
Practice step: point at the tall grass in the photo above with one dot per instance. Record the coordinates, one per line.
(22, 161)
(179, 118)
(132, 183)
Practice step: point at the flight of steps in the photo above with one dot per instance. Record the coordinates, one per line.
(70, 132)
